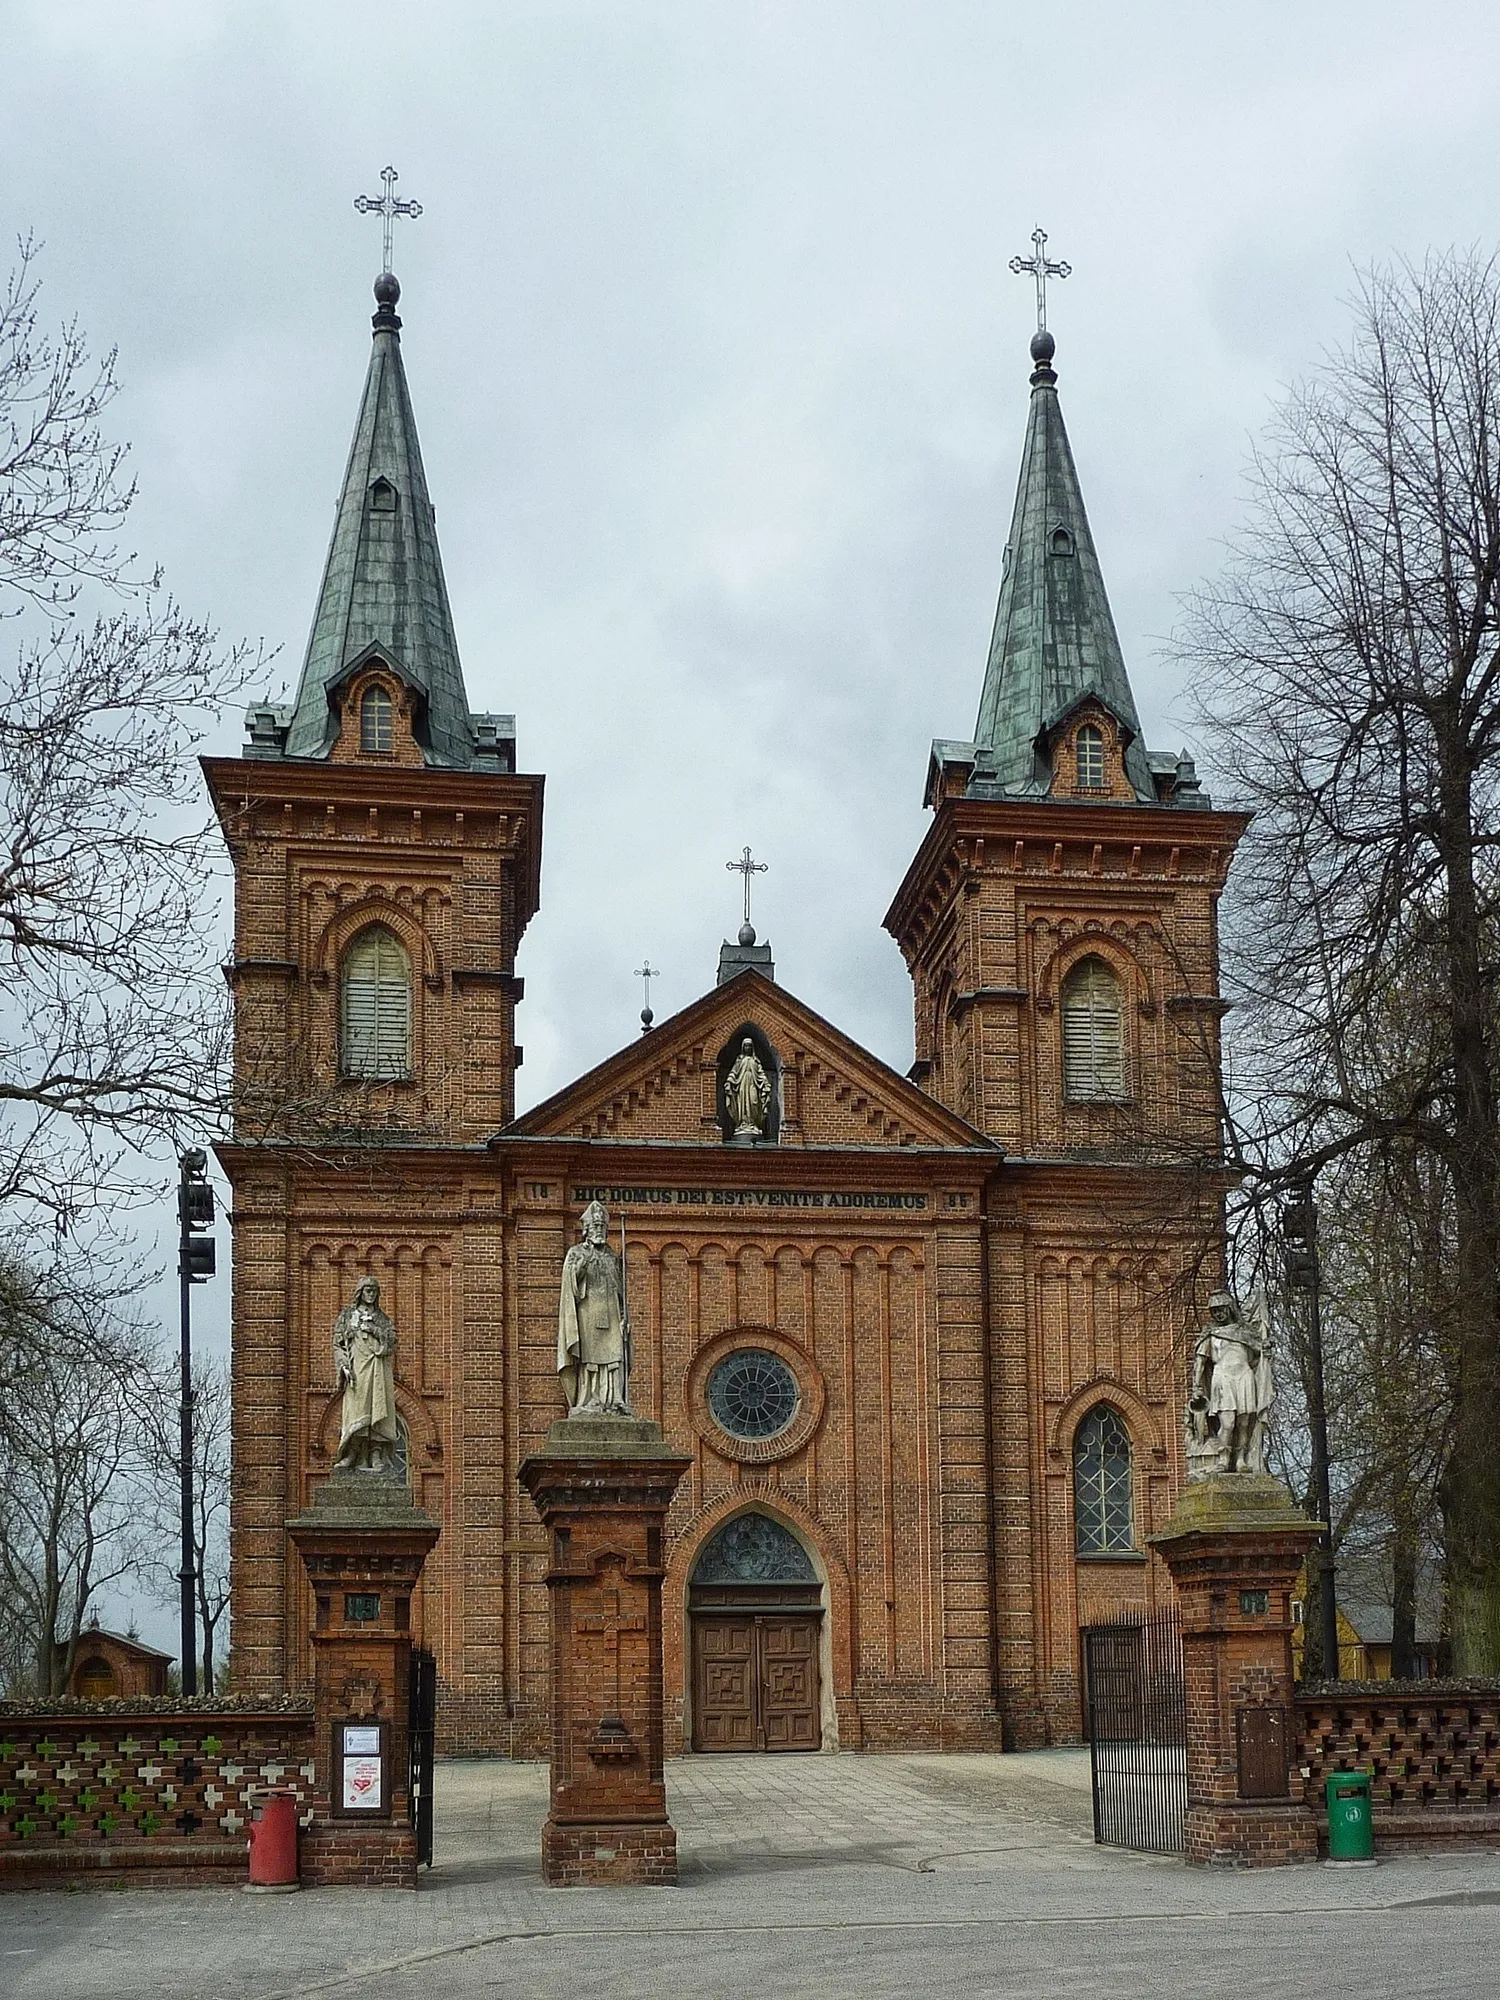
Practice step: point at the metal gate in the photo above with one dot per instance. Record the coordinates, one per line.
(421, 1713)
(1137, 1714)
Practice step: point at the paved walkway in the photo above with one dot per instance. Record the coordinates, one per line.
(841, 1875)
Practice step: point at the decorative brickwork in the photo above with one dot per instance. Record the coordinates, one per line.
(1432, 1748)
(151, 1791)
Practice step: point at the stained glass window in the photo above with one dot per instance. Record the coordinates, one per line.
(753, 1394)
(752, 1548)
(1101, 1484)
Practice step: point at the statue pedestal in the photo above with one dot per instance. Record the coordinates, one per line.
(363, 1546)
(1234, 1547)
(603, 1485)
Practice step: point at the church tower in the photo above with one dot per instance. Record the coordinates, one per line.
(386, 861)
(1060, 925)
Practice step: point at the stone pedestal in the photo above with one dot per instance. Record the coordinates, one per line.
(602, 1485)
(1234, 1547)
(363, 1546)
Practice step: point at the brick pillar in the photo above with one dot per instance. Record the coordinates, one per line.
(363, 1546)
(1234, 1547)
(603, 1486)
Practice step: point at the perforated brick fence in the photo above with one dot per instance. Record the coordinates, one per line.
(153, 1790)
(1432, 1747)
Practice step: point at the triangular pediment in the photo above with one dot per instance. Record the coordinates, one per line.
(668, 1085)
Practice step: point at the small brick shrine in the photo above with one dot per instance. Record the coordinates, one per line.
(602, 1486)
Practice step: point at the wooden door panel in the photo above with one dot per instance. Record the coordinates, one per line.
(790, 1703)
(724, 1684)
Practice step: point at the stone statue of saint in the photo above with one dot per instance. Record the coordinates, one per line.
(747, 1093)
(593, 1323)
(1232, 1389)
(364, 1350)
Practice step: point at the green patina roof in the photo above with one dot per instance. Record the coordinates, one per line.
(1054, 638)
(383, 583)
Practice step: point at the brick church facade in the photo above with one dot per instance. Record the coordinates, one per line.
(923, 1335)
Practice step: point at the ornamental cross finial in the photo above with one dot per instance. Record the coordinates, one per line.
(646, 971)
(746, 867)
(1040, 267)
(387, 207)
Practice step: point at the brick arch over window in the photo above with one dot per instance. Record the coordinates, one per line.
(1094, 1043)
(1140, 1420)
(375, 1006)
(1103, 1484)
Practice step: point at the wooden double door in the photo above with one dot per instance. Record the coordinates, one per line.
(755, 1680)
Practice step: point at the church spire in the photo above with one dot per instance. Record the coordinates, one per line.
(383, 590)
(1054, 639)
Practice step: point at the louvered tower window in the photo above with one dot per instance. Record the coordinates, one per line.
(376, 1024)
(1101, 1484)
(376, 713)
(1093, 1029)
(1088, 749)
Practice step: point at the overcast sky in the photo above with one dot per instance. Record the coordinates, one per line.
(721, 374)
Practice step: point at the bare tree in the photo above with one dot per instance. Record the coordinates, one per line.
(69, 1462)
(1349, 662)
(111, 1013)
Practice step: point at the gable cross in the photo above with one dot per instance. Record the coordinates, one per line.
(1041, 267)
(747, 867)
(387, 207)
(646, 972)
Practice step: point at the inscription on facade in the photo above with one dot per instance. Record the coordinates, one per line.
(705, 1197)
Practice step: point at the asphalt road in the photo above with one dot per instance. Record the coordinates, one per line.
(852, 1875)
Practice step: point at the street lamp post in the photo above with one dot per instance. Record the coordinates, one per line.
(1299, 1229)
(195, 1266)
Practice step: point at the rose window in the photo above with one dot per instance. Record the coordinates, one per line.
(753, 1394)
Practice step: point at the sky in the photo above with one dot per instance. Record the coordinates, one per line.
(721, 375)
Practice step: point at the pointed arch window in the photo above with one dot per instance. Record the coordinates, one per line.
(1093, 1032)
(375, 1005)
(1088, 752)
(377, 720)
(1102, 1501)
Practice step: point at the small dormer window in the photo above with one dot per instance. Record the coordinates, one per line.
(1062, 542)
(376, 720)
(383, 497)
(1088, 750)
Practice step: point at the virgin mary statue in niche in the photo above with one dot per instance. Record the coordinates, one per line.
(364, 1353)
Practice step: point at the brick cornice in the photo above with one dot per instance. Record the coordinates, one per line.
(972, 836)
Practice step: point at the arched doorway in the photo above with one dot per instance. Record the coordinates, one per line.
(755, 1608)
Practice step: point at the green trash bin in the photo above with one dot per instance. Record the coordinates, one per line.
(1351, 1828)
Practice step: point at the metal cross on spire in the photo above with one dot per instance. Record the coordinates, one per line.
(387, 207)
(1041, 267)
(647, 971)
(747, 867)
